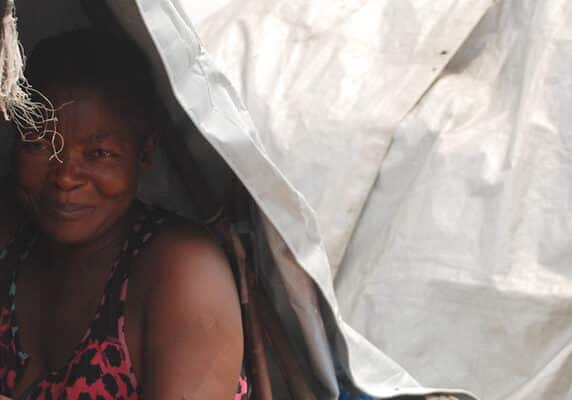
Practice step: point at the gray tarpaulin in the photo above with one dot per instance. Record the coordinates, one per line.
(413, 155)
(197, 95)
(432, 139)
(164, 30)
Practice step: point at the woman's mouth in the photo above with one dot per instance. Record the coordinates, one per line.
(67, 211)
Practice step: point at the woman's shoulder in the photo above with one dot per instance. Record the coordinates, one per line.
(16, 234)
(190, 297)
(182, 240)
(182, 250)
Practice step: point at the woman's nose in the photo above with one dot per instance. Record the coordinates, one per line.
(66, 174)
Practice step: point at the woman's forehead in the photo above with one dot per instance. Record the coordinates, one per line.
(63, 94)
(85, 111)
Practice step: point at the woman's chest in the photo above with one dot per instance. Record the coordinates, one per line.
(97, 369)
(52, 315)
(74, 337)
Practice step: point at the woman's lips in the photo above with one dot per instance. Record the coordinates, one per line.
(68, 211)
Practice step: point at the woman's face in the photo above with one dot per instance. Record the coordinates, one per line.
(81, 198)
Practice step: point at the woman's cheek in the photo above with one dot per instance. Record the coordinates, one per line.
(31, 177)
(115, 183)
(31, 172)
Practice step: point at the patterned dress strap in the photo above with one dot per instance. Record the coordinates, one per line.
(112, 307)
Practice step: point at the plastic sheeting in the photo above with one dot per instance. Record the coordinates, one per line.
(432, 138)
(197, 95)
(195, 89)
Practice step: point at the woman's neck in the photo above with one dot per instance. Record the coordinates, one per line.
(78, 258)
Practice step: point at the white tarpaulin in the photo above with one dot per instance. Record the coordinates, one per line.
(163, 29)
(432, 139)
(197, 95)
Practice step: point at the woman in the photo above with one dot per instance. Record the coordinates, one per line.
(10, 213)
(109, 298)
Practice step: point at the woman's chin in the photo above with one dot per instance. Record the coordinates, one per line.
(68, 232)
(67, 237)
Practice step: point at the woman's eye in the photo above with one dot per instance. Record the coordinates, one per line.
(35, 145)
(101, 153)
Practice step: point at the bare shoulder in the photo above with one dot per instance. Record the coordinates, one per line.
(182, 247)
(183, 257)
(191, 298)
(7, 258)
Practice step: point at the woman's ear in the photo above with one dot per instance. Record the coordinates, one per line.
(146, 152)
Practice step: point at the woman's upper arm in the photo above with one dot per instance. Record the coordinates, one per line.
(192, 339)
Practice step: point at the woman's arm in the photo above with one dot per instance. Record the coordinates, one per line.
(192, 341)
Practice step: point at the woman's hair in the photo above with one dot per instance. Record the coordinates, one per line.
(96, 59)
